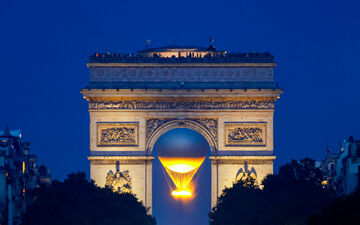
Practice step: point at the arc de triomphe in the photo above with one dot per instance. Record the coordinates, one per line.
(134, 99)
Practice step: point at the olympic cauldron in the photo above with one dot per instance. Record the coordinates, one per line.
(181, 151)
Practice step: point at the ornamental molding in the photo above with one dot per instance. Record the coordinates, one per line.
(242, 159)
(261, 103)
(124, 160)
(210, 125)
(251, 161)
(153, 124)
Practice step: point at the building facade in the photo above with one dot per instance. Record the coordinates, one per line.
(229, 98)
(19, 173)
(342, 170)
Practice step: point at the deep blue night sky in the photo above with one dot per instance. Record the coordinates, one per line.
(44, 46)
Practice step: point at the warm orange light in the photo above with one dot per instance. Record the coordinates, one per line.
(23, 169)
(182, 193)
(181, 171)
(181, 165)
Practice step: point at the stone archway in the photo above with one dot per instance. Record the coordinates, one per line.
(157, 127)
(190, 143)
(133, 100)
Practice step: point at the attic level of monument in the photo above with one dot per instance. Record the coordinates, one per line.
(182, 54)
(176, 51)
(175, 67)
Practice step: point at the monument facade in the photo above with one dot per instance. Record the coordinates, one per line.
(229, 98)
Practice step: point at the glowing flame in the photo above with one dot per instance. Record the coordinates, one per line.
(183, 193)
(181, 171)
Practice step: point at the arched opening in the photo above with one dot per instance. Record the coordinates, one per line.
(167, 209)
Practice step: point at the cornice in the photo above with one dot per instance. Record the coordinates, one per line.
(232, 157)
(120, 158)
(176, 99)
(242, 159)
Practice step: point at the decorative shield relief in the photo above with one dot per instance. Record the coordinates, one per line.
(117, 134)
(245, 134)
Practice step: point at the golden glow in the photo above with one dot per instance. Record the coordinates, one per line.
(23, 169)
(181, 165)
(182, 193)
(181, 171)
(181, 168)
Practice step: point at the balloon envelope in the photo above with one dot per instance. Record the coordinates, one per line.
(181, 170)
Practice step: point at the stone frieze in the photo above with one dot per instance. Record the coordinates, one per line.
(244, 134)
(182, 105)
(115, 134)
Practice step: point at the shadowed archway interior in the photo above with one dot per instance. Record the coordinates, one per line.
(181, 143)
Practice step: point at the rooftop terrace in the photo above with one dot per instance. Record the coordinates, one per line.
(182, 54)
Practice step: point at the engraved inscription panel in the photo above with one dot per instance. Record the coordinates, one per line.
(245, 134)
(115, 134)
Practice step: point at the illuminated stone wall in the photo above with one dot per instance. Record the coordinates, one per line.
(163, 73)
(140, 171)
(125, 123)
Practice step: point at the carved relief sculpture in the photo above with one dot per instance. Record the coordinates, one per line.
(115, 134)
(248, 177)
(153, 124)
(119, 182)
(244, 134)
(210, 125)
(183, 105)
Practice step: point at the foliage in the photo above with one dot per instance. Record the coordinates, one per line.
(287, 198)
(234, 202)
(345, 211)
(77, 201)
(303, 170)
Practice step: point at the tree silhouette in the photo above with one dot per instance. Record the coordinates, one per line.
(77, 201)
(287, 198)
(345, 211)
